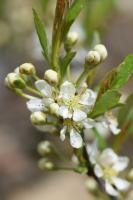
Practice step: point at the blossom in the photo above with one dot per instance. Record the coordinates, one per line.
(74, 104)
(41, 104)
(111, 123)
(107, 166)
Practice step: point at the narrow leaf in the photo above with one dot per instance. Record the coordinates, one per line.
(100, 138)
(41, 34)
(106, 102)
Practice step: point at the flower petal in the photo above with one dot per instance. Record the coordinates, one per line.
(35, 105)
(98, 171)
(44, 88)
(120, 184)
(88, 98)
(67, 90)
(62, 133)
(47, 101)
(110, 189)
(64, 112)
(108, 157)
(121, 164)
(89, 123)
(114, 129)
(79, 115)
(75, 139)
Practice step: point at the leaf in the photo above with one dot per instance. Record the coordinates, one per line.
(100, 138)
(71, 15)
(66, 61)
(125, 110)
(107, 101)
(41, 34)
(124, 72)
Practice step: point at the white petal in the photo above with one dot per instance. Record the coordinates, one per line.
(120, 184)
(44, 88)
(98, 171)
(79, 115)
(114, 129)
(75, 139)
(67, 90)
(88, 98)
(47, 101)
(105, 124)
(35, 105)
(110, 189)
(64, 112)
(88, 123)
(121, 164)
(108, 157)
(93, 152)
(62, 133)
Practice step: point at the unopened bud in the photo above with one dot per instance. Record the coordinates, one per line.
(101, 49)
(51, 76)
(13, 80)
(27, 69)
(92, 58)
(45, 148)
(16, 70)
(45, 164)
(72, 38)
(54, 108)
(38, 118)
(91, 184)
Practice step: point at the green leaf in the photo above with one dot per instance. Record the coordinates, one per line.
(41, 34)
(71, 15)
(101, 140)
(107, 101)
(124, 72)
(66, 61)
(125, 110)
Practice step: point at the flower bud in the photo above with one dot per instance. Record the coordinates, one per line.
(38, 118)
(13, 80)
(72, 38)
(92, 58)
(44, 148)
(51, 76)
(45, 164)
(16, 70)
(101, 49)
(91, 184)
(54, 108)
(27, 69)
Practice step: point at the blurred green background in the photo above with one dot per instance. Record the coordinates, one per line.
(20, 179)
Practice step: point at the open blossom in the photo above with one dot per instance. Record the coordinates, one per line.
(75, 105)
(41, 104)
(111, 123)
(107, 166)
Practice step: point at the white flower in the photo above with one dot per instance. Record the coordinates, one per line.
(111, 123)
(107, 166)
(75, 105)
(38, 104)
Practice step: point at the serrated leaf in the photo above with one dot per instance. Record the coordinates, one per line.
(107, 101)
(124, 72)
(66, 61)
(40, 29)
(71, 15)
(125, 110)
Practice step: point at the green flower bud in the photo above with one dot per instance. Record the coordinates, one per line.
(72, 38)
(92, 58)
(51, 76)
(27, 69)
(38, 118)
(54, 108)
(101, 49)
(45, 164)
(44, 148)
(13, 80)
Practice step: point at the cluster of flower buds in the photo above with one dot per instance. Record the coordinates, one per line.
(71, 39)
(97, 55)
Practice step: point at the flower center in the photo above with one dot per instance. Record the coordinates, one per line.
(73, 102)
(109, 173)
